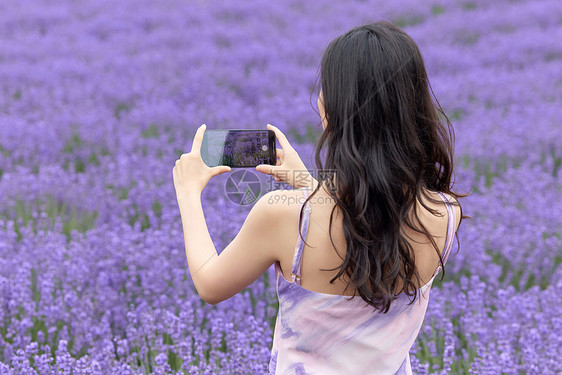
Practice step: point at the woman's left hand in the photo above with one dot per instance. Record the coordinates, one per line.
(191, 174)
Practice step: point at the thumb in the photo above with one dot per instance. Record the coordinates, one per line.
(267, 169)
(215, 171)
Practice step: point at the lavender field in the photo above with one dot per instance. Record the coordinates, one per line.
(98, 99)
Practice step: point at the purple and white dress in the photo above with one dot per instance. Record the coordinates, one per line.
(324, 334)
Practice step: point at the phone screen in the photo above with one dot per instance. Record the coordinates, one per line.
(238, 148)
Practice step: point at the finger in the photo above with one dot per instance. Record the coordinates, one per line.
(280, 136)
(280, 156)
(198, 139)
(267, 169)
(215, 171)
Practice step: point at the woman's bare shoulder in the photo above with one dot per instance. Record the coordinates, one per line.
(284, 205)
(456, 208)
(440, 206)
(283, 209)
(283, 199)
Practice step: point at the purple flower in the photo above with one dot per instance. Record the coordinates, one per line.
(96, 106)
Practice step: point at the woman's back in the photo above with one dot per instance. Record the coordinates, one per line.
(319, 253)
(320, 330)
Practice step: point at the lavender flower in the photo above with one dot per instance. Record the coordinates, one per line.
(96, 106)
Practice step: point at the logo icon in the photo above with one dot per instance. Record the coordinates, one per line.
(243, 187)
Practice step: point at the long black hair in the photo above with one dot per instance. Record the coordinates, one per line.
(387, 146)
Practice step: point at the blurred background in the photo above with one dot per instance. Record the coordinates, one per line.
(98, 100)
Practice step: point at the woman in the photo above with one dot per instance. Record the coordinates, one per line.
(352, 298)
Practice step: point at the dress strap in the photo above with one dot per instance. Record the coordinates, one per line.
(296, 271)
(450, 230)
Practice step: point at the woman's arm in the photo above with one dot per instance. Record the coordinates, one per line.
(244, 260)
(249, 255)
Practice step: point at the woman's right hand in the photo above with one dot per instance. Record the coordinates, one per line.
(289, 168)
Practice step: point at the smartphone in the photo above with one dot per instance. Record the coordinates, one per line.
(238, 148)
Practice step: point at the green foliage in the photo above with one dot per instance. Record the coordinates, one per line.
(556, 166)
(93, 159)
(488, 169)
(471, 38)
(151, 132)
(79, 165)
(174, 360)
(73, 143)
(121, 108)
(139, 217)
(34, 289)
(167, 339)
(408, 21)
(122, 192)
(157, 208)
(39, 326)
(4, 151)
(72, 219)
(311, 134)
(22, 214)
(437, 9)
(457, 114)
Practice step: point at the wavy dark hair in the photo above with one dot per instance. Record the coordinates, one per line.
(386, 144)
